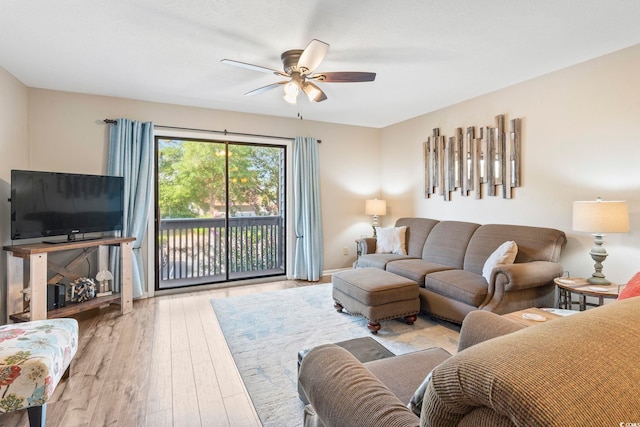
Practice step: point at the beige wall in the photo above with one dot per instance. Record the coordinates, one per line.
(581, 129)
(67, 134)
(580, 125)
(14, 137)
(14, 150)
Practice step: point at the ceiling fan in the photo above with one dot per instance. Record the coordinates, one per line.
(299, 66)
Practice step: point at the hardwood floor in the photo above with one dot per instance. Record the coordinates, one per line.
(164, 364)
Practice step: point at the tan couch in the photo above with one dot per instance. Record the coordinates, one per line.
(446, 259)
(580, 370)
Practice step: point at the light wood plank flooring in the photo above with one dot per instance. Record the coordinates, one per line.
(164, 364)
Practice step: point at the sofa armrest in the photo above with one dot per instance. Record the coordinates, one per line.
(516, 277)
(479, 326)
(366, 245)
(344, 393)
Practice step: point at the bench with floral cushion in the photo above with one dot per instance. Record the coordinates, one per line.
(34, 356)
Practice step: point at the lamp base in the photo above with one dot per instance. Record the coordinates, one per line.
(598, 254)
(598, 281)
(374, 225)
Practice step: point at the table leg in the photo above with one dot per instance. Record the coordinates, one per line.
(126, 282)
(38, 274)
(564, 298)
(583, 302)
(15, 285)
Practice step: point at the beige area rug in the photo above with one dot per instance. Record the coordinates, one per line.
(265, 332)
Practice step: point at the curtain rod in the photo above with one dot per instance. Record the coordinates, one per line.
(223, 132)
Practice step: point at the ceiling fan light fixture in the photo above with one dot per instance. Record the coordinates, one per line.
(291, 99)
(313, 93)
(298, 66)
(291, 89)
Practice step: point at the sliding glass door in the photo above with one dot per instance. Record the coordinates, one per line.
(219, 211)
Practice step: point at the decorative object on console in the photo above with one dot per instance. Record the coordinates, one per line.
(600, 217)
(375, 207)
(103, 278)
(82, 290)
(465, 162)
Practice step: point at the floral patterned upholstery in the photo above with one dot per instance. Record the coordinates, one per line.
(33, 357)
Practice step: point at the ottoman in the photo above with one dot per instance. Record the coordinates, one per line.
(34, 357)
(377, 295)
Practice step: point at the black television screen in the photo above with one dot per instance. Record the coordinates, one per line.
(54, 204)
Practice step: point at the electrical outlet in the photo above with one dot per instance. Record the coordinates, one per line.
(345, 251)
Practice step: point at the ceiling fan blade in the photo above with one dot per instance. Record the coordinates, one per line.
(314, 93)
(266, 88)
(344, 77)
(253, 67)
(312, 56)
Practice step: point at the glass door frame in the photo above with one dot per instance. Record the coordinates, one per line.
(287, 226)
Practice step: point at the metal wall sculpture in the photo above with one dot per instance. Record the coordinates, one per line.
(470, 159)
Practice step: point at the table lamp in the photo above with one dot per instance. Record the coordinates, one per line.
(598, 217)
(375, 207)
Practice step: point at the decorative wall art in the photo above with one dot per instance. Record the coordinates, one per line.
(484, 155)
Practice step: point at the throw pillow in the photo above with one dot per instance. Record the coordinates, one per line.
(415, 404)
(504, 255)
(391, 240)
(632, 289)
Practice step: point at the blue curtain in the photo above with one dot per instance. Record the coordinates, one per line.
(131, 156)
(309, 257)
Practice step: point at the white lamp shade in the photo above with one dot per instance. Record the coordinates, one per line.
(375, 207)
(600, 216)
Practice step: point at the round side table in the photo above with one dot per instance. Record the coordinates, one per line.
(567, 286)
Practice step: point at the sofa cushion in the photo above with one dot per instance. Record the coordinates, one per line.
(379, 261)
(447, 243)
(402, 374)
(417, 231)
(391, 240)
(415, 269)
(505, 254)
(459, 285)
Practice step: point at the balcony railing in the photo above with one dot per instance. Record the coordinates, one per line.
(194, 251)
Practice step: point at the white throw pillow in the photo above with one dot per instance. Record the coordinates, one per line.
(504, 255)
(391, 240)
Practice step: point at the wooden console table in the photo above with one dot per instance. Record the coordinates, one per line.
(36, 254)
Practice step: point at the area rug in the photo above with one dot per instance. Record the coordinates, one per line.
(265, 332)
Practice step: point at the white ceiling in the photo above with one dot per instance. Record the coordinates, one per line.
(427, 54)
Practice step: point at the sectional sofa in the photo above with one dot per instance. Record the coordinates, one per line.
(579, 370)
(447, 258)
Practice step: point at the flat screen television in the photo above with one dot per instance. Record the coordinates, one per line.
(54, 204)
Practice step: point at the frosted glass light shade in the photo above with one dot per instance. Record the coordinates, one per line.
(599, 216)
(375, 207)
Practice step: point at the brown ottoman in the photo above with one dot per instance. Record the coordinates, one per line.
(377, 295)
